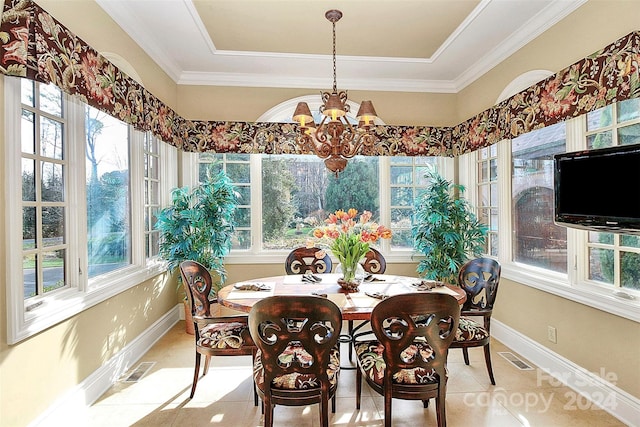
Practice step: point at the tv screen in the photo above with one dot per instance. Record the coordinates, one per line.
(599, 189)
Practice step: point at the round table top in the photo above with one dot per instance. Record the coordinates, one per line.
(354, 305)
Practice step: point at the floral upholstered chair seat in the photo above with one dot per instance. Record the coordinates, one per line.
(470, 330)
(215, 333)
(297, 380)
(369, 354)
(223, 335)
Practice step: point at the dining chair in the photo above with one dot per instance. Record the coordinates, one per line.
(308, 260)
(408, 359)
(216, 333)
(298, 360)
(479, 278)
(374, 262)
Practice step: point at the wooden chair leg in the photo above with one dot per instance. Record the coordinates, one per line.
(255, 386)
(324, 411)
(465, 355)
(268, 412)
(207, 360)
(387, 410)
(487, 359)
(358, 386)
(351, 343)
(196, 374)
(440, 411)
(333, 404)
(255, 394)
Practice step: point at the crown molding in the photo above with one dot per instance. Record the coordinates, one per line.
(387, 74)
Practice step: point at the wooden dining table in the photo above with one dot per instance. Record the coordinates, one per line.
(354, 305)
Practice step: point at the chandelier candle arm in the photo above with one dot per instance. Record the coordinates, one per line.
(335, 140)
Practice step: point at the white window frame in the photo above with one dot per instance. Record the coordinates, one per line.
(167, 179)
(572, 285)
(27, 318)
(257, 255)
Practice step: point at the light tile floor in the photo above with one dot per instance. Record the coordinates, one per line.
(224, 396)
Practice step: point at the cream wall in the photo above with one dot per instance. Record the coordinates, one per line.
(595, 25)
(596, 341)
(247, 104)
(48, 365)
(39, 370)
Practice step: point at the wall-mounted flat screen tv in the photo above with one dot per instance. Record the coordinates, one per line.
(599, 189)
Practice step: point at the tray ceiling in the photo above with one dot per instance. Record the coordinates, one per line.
(389, 45)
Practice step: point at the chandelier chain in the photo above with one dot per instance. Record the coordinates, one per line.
(335, 85)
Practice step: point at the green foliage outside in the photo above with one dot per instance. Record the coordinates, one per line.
(278, 210)
(445, 230)
(199, 224)
(356, 187)
(630, 270)
(629, 261)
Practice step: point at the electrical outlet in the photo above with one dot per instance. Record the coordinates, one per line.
(552, 334)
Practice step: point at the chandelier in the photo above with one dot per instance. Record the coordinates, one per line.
(334, 139)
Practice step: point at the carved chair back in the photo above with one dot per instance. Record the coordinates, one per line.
(308, 260)
(298, 360)
(374, 262)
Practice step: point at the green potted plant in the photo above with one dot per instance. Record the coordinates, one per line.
(198, 225)
(445, 230)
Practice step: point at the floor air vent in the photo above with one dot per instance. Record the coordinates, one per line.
(139, 372)
(515, 361)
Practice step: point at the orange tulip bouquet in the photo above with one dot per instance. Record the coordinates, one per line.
(348, 238)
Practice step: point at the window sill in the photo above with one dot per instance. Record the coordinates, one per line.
(603, 299)
(65, 304)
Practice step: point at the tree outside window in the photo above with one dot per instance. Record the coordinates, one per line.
(298, 192)
(108, 200)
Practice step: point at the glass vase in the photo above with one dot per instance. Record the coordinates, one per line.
(352, 275)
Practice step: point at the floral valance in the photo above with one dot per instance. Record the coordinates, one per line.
(36, 46)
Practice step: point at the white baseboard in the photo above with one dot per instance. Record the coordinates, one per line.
(593, 386)
(77, 400)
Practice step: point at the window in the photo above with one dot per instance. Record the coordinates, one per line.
(45, 207)
(237, 168)
(283, 197)
(487, 195)
(152, 186)
(90, 190)
(614, 259)
(537, 241)
(407, 181)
